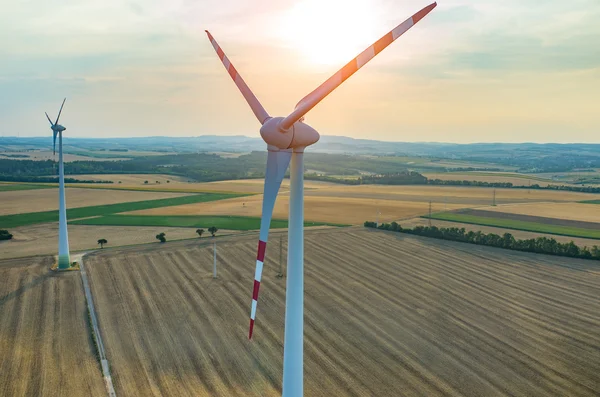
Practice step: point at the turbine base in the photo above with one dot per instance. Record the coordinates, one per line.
(64, 261)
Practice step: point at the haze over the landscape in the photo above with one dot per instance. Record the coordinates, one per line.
(474, 71)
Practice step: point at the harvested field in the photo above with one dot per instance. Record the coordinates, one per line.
(317, 209)
(530, 218)
(45, 345)
(134, 179)
(491, 177)
(386, 315)
(543, 225)
(48, 155)
(451, 194)
(570, 211)
(43, 239)
(24, 201)
(518, 234)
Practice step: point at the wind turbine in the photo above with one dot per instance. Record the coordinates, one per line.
(64, 260)
(286, 139)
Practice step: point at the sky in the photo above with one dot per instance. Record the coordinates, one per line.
(471, 71)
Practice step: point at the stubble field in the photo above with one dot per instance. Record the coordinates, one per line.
(36, 200)
(385, 315)
(45, 348)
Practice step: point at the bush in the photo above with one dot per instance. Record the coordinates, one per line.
(5, 235)
(161, 237)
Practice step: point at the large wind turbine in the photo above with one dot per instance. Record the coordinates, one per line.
(64, 260)
(286, 139)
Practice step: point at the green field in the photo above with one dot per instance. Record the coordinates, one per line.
(591, 202)
(32, 218)
(8, 187)
(205, 221)
(517, 225)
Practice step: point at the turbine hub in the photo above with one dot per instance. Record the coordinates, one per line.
(300, 135)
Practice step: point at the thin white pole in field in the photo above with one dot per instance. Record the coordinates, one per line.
(215, 259)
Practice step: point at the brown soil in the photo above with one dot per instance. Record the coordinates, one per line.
(45, 345)
(385, 315)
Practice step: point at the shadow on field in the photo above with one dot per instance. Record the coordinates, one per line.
(25, 287)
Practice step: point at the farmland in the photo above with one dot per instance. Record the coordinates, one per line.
(45, 347)
(9, 187)
(26, 201)
(31, 218)
(386, 315)
(504, 177)
(221, 222)
(523, 222)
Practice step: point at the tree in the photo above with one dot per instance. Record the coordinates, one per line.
(168, 181)
(213, 230)
(102, 241)
(145, 182)
(5, 235)
(161, 237)
(200, 231)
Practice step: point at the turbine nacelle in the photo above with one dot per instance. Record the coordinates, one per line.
(58, 128)
(299, 135)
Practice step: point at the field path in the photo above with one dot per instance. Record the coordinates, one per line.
(92, 311)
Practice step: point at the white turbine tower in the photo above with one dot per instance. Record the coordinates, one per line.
(286, 139)
(64, 260)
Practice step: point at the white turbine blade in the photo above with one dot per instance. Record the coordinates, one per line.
(48, 117)
(277, 164)
(260, 112)
(54, 144)
(312, 99)
(60, 111)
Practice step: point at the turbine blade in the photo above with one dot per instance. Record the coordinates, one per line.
(260, 112)
(277, 164)
(48, 117)
(312, 99)
(60, 111)
(54, 145)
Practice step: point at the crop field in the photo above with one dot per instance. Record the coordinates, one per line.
(43, 239)
(385, 315)
(31, 218)
(41, 155)
(518, 234)
(45, 346)
(25, 201)
(523, 222)
(8, 187)
(134, 179)
(194, 221)
(568, 211)
(503, 177)
(316, 209)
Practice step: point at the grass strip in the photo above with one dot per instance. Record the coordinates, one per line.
(590, 202)
(205, 221)
(517, 225)
(32, 218)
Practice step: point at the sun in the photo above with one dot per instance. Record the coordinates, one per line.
(330, 32)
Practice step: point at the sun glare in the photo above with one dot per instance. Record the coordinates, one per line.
(331, 32)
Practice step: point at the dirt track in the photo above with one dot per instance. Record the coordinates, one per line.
(45, 349)
(386, 315)
(530, 218)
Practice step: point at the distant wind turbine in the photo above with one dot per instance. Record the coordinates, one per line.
(286, 139)
(64, 259)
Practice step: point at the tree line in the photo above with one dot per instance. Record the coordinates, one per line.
(540, 245)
